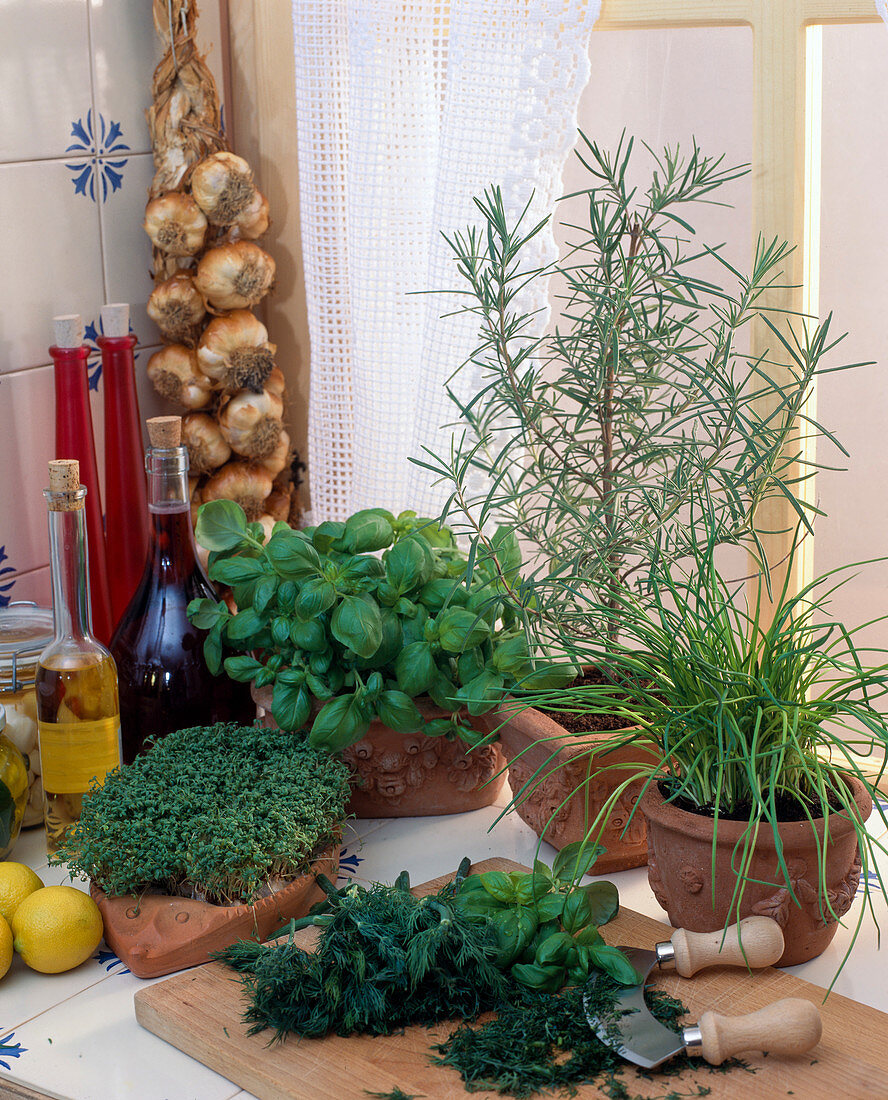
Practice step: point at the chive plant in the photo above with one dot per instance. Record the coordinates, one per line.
(750, 718)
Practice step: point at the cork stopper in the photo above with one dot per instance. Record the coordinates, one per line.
(115, 319)
(68, 330)
(165, 431)
(64, 485)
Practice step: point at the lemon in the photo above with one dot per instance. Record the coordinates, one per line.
(16, 882)
(5, 947)
(56, 929)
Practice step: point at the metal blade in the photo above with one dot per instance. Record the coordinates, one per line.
(632, 1031)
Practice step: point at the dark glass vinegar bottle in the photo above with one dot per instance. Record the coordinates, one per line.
(164, 682)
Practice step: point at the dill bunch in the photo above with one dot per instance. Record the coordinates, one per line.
(385, 960)
(212, 812)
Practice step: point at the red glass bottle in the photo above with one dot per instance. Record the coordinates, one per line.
(163, 679)
(74, 439)
(126, 505)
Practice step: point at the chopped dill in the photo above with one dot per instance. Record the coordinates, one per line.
(541, 1042)
(395, 1094)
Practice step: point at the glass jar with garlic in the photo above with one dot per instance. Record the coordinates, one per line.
(25, 629)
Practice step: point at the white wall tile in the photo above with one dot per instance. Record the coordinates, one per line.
(49, 242)
(26, 445)
(35, 586)
(125, 51)
(126, 249)
(45, 76)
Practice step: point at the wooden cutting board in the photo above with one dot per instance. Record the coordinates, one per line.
(199, 1011)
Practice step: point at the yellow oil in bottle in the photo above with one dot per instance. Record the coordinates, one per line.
(78, 712)
(78, 718)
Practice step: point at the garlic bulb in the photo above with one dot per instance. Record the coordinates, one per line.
(254, 221)
(207, 449)
(235, 275)
(251, 423)
(222, 186)
(234, 351)
(277, 503)
(280, 457)
(177, 308)
(276, 383)
(176, 376)
(246, 485)
(175, 224)
(196, 498)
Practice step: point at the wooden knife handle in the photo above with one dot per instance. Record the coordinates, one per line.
(754, 942)
(790, 1026)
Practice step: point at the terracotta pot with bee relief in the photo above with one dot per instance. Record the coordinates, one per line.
(412, 774)
(680, 871)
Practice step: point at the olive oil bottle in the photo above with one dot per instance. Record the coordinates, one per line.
(78, 715)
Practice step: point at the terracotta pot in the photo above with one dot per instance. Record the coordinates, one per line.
(412, 775)
(680, 863)
(529, 740)
(157, 934)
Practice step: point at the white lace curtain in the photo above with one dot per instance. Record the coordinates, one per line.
(407, 109)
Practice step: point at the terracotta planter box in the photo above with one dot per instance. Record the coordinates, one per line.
(680, 862)
(157, 934)
(568, 793)
(412, 775)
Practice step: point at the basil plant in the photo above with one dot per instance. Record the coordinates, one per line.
(348, 635)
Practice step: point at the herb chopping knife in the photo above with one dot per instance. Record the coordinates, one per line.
(789, 1026)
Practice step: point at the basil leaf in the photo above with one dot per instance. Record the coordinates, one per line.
(212, 648)
(398, 711)
(459, 629)
(326, 534)
(508, 552)
(221, 525)
(292, 555)
(245, 624)
(612, 961)
(266, 590)
(365, 531)
(206, 613)
(498, 885)
(574, 860)
(554, 675)
(290, 706)
(415, 669)
(511, 656)
(408, 565)
(243, 669)
(482, 693)
(357, 623)
(315, 597)
(338, 724)
(310, 637)
(236, 570)
(443, 592)
(604, 901)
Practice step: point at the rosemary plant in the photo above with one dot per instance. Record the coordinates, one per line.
(213, 812)
(600, 440)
